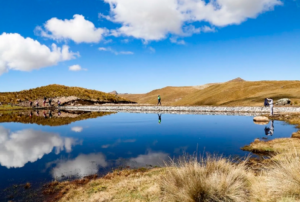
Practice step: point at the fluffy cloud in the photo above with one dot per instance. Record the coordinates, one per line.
(77, 129)
(115, 52)
(154, 19)
(26, 54)
(77, 29)
(81, 166)
(76, 68)
(18, 148)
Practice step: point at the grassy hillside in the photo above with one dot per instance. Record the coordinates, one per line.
(58, 91)
(243, 93)
(169, 95)
(236, 92)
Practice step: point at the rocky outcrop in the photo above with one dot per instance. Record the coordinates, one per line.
(114, 92)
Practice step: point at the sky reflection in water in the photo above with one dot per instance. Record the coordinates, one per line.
(30, 152)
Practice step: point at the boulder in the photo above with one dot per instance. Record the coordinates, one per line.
(284, 101)
(261, 119)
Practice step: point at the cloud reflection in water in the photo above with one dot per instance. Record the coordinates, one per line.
(81, 166)
(20, 147)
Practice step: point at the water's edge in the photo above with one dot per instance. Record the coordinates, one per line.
(245, 111)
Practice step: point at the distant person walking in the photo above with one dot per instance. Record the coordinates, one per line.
(30, 103)
(158, 100)
(58, 103)
(271, 106)
(36, 104)
(50, 100)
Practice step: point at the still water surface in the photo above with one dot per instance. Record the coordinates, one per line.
(36, 153)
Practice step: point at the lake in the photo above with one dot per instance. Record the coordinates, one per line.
(40, 147)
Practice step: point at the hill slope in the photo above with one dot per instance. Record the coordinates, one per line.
(243, 93)
(236, 92)
(54, 91)
(169, 95)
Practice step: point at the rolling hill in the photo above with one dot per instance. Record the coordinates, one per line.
(59, 91)
(236, 92)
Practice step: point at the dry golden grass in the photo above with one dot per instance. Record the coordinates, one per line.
(280, 181)
(119, 186)
(54, 91)
(169, 95)
(279, 145)
(208, 180)
(243, 93)
(10, 107)
(212, 180)
(232, 93)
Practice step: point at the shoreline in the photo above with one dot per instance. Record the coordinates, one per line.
(185, 109)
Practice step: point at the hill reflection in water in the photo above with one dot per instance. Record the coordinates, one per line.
(48, 117)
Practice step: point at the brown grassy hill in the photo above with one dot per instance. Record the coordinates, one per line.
(169, 95)
(243, 93)
(236, 92)
(55, 90)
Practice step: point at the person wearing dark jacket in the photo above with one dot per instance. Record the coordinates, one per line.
(159, 100)
(266, 103)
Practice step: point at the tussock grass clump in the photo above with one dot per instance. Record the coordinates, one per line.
(212, 179)
(283, 178)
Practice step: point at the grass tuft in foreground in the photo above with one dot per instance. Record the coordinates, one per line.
(208, 180)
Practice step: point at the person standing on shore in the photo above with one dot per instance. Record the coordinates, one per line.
(50, 100)
(266, 103)
(159, 100)
(271, 106)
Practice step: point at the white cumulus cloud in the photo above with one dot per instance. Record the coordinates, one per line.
(77, 29)
(21, 147)
(81, 166)
(155, 19)
(115, 52)
(26, 54)
(76, 68)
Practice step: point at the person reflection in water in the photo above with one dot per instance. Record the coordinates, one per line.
(44, 113)
(270, 131)
(50, 114)
(159, 118)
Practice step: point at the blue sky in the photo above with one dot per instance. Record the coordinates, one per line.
(135, 46)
